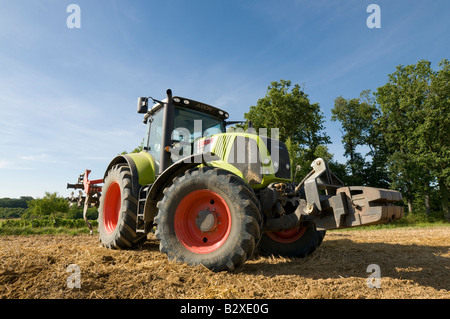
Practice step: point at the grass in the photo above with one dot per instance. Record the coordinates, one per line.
(44, 226)
(27, 230)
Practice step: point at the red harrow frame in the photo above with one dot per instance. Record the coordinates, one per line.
(91, 189)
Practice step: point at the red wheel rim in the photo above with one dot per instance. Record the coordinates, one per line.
(186, 223)
(288, 236)
(111, 208)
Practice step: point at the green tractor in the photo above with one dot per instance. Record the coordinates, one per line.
(215, 197)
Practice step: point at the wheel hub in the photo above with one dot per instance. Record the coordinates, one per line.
(202, 221)
(206, 220)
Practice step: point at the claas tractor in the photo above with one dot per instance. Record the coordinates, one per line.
(215, 196)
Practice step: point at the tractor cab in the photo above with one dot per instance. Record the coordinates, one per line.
(173, 125)
(178, 128)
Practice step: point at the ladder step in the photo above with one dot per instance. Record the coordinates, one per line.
(140, 222)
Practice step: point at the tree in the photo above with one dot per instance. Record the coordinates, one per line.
(299, 121)
(356, 117)
(415, 125)
(401, 101)
(433, 135)
(50, 205)
(21, 202)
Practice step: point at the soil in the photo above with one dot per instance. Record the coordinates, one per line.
(413, 263)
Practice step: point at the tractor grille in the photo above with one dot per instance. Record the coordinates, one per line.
(244, 155)
(221, 145)
(284, 164)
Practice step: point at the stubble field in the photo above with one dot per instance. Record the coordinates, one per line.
(414, 263)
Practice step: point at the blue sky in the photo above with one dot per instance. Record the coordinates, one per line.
(68, 96)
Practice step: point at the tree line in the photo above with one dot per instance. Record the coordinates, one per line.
(50, 206)
(13, 207)
(397, 136)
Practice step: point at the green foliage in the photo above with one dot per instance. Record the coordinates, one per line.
(406, 127)
(435, 219)
(44, 226)
(356, 117)
(13, 207)
(76, 212)
(292, 113)
(7, 212)
(48, 215)
(21, 202)
(415, 124)
(402, 101)
(40, 223)
(50, 205)
(358, 121)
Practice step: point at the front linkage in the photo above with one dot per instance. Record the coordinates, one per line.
(323, 199)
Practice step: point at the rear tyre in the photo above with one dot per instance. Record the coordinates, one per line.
(209, 216)
(117, 211)
(296, 242)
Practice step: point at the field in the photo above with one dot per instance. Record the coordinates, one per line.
(414, 263)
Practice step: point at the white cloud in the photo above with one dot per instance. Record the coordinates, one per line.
(34, 158)
(7, 165)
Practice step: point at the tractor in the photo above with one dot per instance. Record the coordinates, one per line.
(215, 196)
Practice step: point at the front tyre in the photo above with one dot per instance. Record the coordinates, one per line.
(209, 216)
(117, 211)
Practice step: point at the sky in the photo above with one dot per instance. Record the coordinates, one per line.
(68, 96)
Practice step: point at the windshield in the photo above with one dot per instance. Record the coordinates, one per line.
(155, 136)
(190, 125)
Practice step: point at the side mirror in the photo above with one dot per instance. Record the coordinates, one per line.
(142, 106)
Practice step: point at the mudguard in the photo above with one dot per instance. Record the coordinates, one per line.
(142, 169)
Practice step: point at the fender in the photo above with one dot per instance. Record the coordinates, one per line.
(156, 190)
(142, 169)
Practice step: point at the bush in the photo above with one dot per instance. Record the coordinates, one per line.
(76, 212)
(50, 205)
(422, 218)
